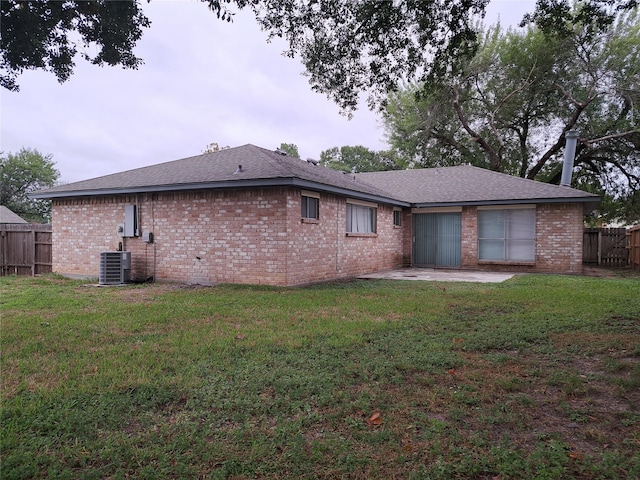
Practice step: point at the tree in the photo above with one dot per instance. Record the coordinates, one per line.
(360, 159)
(346, 46)
(509, 108)
(24, 173)
(290, 149)
(214, 147)
(40, 35)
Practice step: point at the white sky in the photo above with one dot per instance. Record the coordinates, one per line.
(203, 81)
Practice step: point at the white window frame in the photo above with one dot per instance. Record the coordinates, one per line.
(514, 245)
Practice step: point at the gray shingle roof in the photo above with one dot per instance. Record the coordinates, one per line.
(9, 216)
(467, 185)
(262, 167)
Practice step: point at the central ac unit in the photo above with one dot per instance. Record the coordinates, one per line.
(114, 268)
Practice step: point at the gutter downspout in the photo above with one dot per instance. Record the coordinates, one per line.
(571, 137)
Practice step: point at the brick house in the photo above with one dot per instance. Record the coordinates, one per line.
(251, 215)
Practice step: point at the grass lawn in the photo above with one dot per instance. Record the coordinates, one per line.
(534, 378)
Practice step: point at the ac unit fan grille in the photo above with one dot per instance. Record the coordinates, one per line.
(114, 268)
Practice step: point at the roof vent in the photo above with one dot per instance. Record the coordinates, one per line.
(238, 170)
(571, 138)
(313, 161)
(281, 152)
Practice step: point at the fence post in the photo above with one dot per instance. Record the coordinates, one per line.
(599, 247)
(3, 251)
(634, 247)
(33, 253)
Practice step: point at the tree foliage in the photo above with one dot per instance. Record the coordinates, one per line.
(43, 35)
(347, 47)
(510, 106)
(360, 159)
(290, 149)
(214, 147)
(21, 174)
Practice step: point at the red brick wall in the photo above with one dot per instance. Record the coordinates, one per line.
(258, 237)
(559, 232)
(82, 228)
(237, 236)
(322, 250)
(559, 228)
(407, 241)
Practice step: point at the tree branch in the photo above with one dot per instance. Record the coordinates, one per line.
(561, 140)
(493, 155)
(613, 136)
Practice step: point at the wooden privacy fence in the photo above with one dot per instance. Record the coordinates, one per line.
(25, 249)
(605, 246)
(634, 247)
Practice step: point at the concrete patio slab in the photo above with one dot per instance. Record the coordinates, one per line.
(437, 275)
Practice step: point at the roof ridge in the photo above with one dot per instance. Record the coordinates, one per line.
(269, 156)
(471, 167)
(518, 177)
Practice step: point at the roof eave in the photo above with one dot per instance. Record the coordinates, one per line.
(349, 193)
(269, 182)
(518, 201)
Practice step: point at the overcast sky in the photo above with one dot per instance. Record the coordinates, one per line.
(203, 81)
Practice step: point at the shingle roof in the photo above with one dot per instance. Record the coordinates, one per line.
(8, 216)
(467, 185)
(261, 167)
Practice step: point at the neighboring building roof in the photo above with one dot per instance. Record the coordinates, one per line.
(221, 169)
(7, 216)
(462, 185)
(468, 185)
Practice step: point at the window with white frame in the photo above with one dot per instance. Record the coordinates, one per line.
(361, 217)
(310, 203)
(507, 234)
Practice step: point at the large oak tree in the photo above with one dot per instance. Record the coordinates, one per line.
(348, 47)
(509, 107)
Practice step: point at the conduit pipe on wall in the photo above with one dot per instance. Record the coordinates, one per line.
(571, 137)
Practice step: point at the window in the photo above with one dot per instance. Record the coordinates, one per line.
(310, 205)
(507, 235)
(397, 218)
(361, 218)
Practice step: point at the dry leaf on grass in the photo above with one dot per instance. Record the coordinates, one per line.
(375, 419)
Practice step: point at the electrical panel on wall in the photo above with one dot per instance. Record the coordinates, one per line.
(130, 221)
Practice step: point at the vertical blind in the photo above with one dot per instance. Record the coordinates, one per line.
(507, 234)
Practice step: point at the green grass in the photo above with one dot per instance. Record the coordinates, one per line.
(537, 377)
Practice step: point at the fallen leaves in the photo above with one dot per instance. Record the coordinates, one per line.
(375, 420)
(576, 456)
